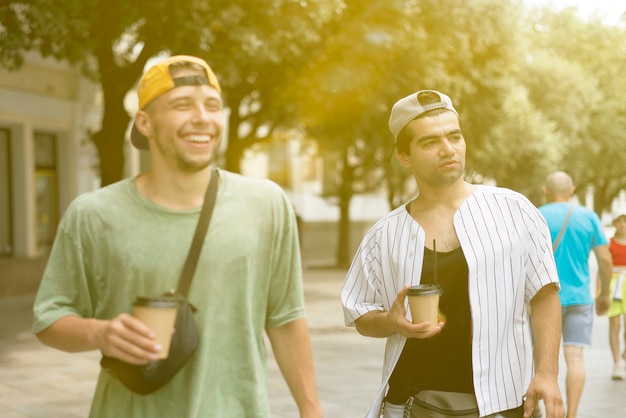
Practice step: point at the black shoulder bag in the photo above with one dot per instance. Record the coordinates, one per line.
(150, 377)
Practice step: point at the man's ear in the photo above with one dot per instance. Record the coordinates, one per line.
(402, 158)
(143, 123)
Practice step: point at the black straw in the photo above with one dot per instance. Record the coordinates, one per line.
(435, 262)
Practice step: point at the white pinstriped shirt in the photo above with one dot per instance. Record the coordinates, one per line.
(508, 249)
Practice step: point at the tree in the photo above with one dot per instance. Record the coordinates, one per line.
(579, 86)
(387, 50)
(342, 104)
(254, 47)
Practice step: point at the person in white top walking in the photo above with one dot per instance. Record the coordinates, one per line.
(495, 261)
(617, 308)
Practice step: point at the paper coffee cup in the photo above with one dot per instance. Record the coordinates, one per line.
(424, 304)
(158, 314)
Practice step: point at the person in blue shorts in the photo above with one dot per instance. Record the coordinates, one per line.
(582, 234)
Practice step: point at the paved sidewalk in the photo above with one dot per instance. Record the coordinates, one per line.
(40, 382)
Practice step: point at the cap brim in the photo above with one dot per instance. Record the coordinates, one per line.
(138, 140)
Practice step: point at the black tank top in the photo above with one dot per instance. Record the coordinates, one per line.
(443, 362)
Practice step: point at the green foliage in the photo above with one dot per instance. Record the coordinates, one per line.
(580, 87)
(255, 48)
(387, 50)
(532, 100)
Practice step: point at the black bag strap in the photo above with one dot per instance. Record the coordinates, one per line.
(198, 239)
(557, 241)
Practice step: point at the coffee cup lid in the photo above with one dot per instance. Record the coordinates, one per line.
(157, 302)
(423, 289)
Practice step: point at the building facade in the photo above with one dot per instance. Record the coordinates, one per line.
(46, 158)
(47, 110)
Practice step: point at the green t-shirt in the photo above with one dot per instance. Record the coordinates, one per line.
(113, 245)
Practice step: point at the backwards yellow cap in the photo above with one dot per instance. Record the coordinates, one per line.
(158, 80)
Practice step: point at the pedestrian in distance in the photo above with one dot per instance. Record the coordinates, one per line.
(617, 310)
(494, 260)
(581, 233)
(131, 238)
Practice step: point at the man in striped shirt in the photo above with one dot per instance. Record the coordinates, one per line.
(495, 261)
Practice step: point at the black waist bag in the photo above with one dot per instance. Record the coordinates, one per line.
(150, 377)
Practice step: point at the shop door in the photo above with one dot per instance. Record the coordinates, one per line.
(6, 203)
(45, 190)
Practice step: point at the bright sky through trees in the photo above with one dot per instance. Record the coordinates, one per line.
(609, 10)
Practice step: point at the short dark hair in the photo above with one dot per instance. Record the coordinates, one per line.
(403, 137)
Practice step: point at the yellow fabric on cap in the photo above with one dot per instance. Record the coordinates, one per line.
(158, 80)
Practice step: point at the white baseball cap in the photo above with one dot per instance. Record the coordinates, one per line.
(414, 105)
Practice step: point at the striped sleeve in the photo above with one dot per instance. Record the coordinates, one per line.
(390, 256)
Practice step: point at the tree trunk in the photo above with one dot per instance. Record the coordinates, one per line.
(234, 153)
(235, 149)
(110, 144)
(344, 256)
(600, 201)
(345, 196)
(109, 141)
(116, 82)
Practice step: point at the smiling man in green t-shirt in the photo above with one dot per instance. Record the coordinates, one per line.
(131, 239)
